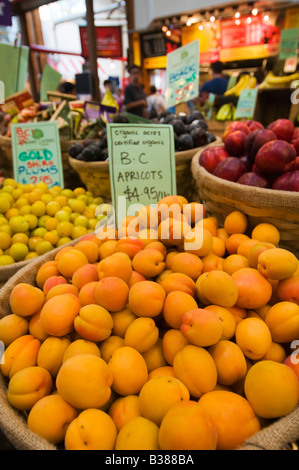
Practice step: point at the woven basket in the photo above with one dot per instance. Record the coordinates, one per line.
(71, 179)
(96, 177)
(280, 208)
(13, 424)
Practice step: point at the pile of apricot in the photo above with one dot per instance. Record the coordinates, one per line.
(131, 339)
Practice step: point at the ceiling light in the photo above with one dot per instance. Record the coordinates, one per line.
(237, 14)
(266, 18)
(168, 33)
(164, 28)
(212, 19)
(238, 22)
(254, 11)
(200, 27)
(249, 20)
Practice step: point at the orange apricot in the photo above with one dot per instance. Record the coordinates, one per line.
(254, 337)
(249, 280)
(70, 261)
(85, 274)
(112, 293)
(148, 217)
(93, 323)
(186, 426)
(276, 353)
(154, 356)
(149, 262)
(232, 416)
(135, 277)
(282, 320)
(27, 386)
(277, 263)
(256, 250)
(178, 282)
(172, 342)
(234, 262)
(158, 395)
(47, 269)
(141, 334)
(188, 264)
(86, 294)
(50, 417)
(123, 409)
(146, 299)
(53, 281)
(118, 264)
(194, 212)
(201, 327)
(163, 370)
(20, 354)
(84, 381)
(51, 353)
(230, 362)
(195, 367)
(58, 314)
(198, 241)
(246, 246)
(176, 304)
(109, 345)
(157, 245)
(107, 248)
(227, 319)
(89, 248)
(121, 320)
(138, 434)
(12, 327)
(235, 222)
(26, 300)
(62, 289)
(35, 328)
(92, 430)
(212, 262)
(266, 232)
(123, 361)
(219, 288)
(219, 247)
(234, 241)
(267, 379)
(129, 246)
(288, 289)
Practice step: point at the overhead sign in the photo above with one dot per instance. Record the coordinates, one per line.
(182, 74)
(37, 153)
(142, 164)
(5, 13)
(289, 43)
(108, 41)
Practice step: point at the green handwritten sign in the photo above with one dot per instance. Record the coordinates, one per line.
(141, 164)
(288, 43)
(246, 103)
(49, 81)
(182, 74)
(37, 153)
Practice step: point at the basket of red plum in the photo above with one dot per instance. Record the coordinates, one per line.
(255, 169)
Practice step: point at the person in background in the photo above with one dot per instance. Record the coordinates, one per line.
(155, 102)
(119, 97)
(108, 85)
(134, 94)
(217, 85)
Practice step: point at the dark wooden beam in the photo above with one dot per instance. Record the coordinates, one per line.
(25, 42)
(92, 49)
(131, 26)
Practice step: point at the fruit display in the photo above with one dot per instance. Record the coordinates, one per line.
(153, 338)
(226, 112)
(35, 219)
(275, 81)
(245, 82)
(190, 131)
(257, 156)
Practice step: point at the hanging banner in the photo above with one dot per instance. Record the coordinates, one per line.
(108, 41)
(182, 74)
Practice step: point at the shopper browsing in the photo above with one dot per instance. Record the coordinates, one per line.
(155, 101)
(217, 85)
(135, 97)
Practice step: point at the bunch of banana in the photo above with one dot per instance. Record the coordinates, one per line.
(273, 81)
(246, 81)
(226, 112)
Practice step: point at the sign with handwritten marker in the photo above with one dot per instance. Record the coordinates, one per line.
(182, 74)
(37, 153)
(141, 163)
(246, 103)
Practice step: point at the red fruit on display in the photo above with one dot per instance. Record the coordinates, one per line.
(288, 181)
(254, 125)
(296, 133)
(275, 157)
(235, 126)
(210, 157)
(247, 162)
(230, 169)
(283, 129)
(235, 143)
(295, 144)
(254, 179)
(296, 167)
(260, 137)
